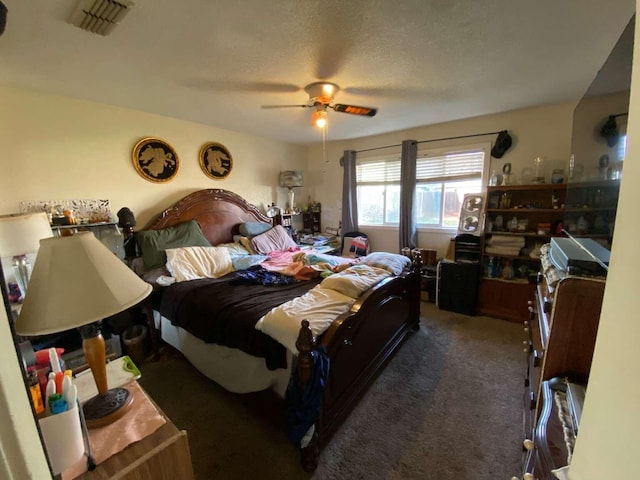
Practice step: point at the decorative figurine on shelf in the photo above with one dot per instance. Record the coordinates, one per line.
(496, 179)
(491, 268)
(582, 225)
(506, 174)
(507, 271)
(557, 176)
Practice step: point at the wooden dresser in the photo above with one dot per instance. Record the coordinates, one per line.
(561, 335)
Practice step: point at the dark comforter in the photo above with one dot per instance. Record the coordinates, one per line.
(225, 310)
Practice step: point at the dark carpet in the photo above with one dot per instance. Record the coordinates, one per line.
(448, 406)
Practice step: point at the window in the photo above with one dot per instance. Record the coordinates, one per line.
(443, 177)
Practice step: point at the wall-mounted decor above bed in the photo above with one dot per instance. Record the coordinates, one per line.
(215, 160)
(155, 160)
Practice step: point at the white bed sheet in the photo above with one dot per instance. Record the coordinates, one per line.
(233, 369)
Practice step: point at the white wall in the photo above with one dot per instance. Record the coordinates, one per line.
(538, 131)
(56, 148)
(606, 446)
(21, 454)
(61, 148)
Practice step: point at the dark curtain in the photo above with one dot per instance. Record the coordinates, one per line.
(408, 233)
(349, 192)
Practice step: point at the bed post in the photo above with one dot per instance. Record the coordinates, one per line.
(306, 344)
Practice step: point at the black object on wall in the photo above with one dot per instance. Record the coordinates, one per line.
(503, 143)
(3, 17)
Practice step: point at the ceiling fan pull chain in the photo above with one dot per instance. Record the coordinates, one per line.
(324, 148)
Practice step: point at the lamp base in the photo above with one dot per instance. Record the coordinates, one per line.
(108, 407)
(22, 271)
(292, 200)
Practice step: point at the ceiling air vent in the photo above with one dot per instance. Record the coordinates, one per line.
(100, 16)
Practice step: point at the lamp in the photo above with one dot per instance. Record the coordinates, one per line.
(291, 179)
(19, 236)
(76, 282)
(319, 117)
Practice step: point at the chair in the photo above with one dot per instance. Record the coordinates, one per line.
(355, 244)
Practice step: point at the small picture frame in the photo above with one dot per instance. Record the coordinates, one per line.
(215, 160)
(155, 160)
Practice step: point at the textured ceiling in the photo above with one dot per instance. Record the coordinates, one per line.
(216, 62)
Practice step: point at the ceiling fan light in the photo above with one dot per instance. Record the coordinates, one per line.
(321, 92)
(319, 118)
(328, 91)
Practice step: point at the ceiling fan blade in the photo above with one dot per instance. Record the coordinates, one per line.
(355, 110)
(284, 106)
(214, 85)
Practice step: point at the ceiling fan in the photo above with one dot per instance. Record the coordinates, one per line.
(321, 96)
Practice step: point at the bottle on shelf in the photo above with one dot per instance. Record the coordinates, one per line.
(491, 269)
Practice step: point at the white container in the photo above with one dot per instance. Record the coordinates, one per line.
(63, 440)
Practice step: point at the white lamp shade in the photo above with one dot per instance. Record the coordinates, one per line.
(20, 234)
(291, 178)
(76, 280)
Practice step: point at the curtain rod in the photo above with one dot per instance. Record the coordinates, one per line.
(434, 140)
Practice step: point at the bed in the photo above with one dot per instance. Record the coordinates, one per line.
(356, 343)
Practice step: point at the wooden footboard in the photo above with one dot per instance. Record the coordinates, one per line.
(359, 344)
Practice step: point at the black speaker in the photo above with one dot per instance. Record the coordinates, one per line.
(610, 131)
(3, 17)
(503, 143)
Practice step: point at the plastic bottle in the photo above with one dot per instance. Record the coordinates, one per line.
(491, 268)
(572, 166)
(36, 393)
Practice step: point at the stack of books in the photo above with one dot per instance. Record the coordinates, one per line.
(315, 240)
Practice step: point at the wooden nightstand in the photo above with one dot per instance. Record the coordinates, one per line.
(163, 455)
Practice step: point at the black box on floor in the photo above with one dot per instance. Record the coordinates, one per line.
(458, 286)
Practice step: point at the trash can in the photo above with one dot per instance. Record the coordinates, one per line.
(134, 339)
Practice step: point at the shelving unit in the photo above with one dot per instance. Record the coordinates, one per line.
(594, 202)
(286, 220)
(311, 221)
(519, 219)
(107, 232)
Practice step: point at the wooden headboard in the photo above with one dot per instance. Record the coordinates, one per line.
(219, 213)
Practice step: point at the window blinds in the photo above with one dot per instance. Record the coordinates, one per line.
(450, 166)
(378, 173)
(429, 168)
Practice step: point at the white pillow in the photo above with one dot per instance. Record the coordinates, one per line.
(320, 306)
(392, 262)
(355, 280)
(189, 263)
